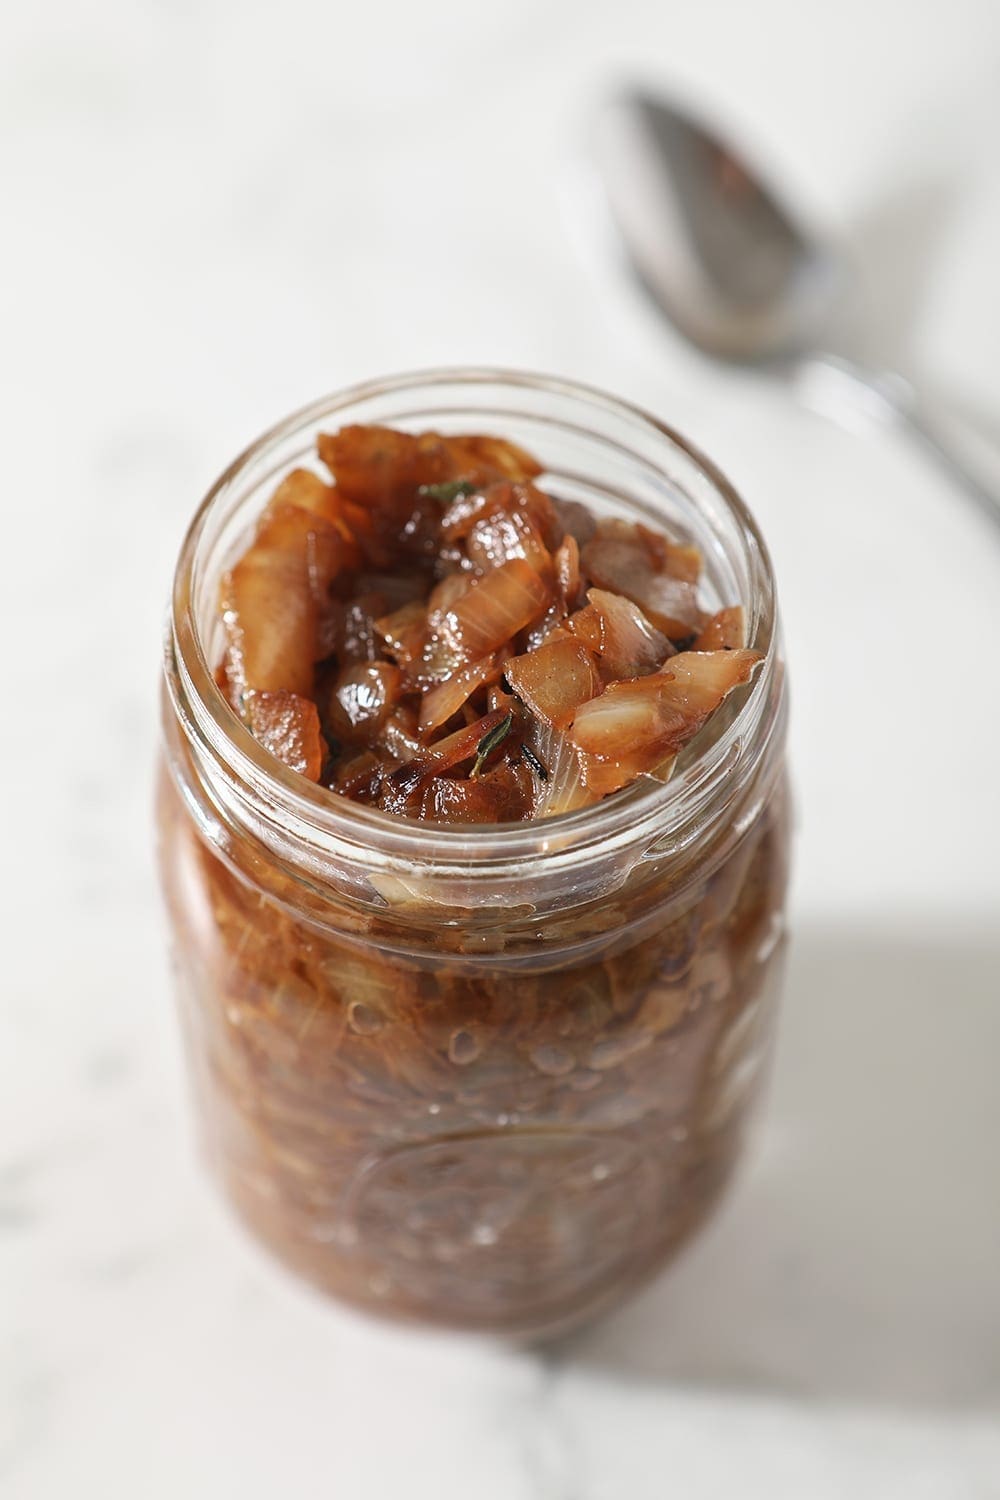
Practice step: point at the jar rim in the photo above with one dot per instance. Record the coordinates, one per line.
(641, 813)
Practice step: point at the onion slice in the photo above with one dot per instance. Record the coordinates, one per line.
(288, 726)
(271, 601)
(725, 631)
(628, 644)
(363, 696)
(554, 679)
(495, 608)
(561, 787)
(444, 756)
(634, 726)
(446, 698)
(622, 564)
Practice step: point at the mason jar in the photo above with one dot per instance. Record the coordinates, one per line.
(484, 1076)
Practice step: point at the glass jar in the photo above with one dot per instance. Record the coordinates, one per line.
(483, 1077)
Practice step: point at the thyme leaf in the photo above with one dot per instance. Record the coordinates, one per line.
(445, 493)
(489, 743)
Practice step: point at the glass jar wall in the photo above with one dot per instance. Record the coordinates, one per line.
(486, 1077)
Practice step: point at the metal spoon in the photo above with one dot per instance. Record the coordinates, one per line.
(734, 271)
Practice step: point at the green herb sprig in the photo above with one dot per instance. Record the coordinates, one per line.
(489, 743)
(445, 493)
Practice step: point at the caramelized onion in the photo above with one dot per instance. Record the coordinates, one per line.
(269, 601)
(444, 756)
(633, 726)
(447, 697)
(503, 795)
(288, 726)
(495, 608)
(627, 643)
(561, 788)
(433, 584)
(725, 631)
(554, 679)
(622, 564)
(567, 566)
(498, 538)
(402, 633)
(362, 698)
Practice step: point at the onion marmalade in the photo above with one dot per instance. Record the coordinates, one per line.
(464, 1052)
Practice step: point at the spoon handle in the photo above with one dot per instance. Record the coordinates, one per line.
(962, 450)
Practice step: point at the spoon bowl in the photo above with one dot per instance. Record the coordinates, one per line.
(721, 255)
(736, 271)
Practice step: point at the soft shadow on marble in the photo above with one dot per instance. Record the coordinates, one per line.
(857, 1258)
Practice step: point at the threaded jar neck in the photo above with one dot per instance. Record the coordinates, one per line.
(615, 459)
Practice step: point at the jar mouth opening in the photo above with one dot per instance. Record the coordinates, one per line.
(319, 815)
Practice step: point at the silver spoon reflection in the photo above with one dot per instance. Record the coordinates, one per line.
(733, 269)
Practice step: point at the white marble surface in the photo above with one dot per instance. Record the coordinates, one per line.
(213, 212)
